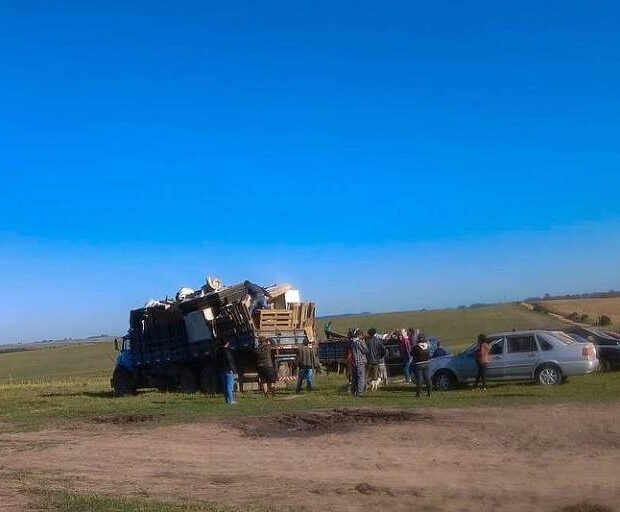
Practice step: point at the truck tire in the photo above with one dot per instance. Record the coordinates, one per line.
(208, 381)
(123, 382)
(188, 383)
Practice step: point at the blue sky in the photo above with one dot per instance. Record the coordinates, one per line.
(381, 156)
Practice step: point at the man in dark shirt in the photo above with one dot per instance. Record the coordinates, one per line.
(306, 364)
(264, 366)
(376, 354)
(225, 363)
(258, 295)
(420, 354)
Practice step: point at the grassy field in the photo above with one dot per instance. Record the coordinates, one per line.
(89, 401)
(63, 501)
(456, 327)
(592, 307)
(62, 386)
(92, 359)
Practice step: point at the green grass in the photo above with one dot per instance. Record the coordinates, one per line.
(67, 386)
(76, 402)
(456, 327)
(57, 362)
(63, 501)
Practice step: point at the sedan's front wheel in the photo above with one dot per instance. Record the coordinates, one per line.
(444, 380)
(549, 375)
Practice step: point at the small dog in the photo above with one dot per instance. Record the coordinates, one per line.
(375, 383)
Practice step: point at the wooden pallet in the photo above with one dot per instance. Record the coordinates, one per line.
(275, 319)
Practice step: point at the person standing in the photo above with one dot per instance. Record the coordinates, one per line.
(227, 370)
(264, 366)
(404, 346)
(483, 358)
(258, 296)
(376, 355)
(439, 351)
(420, 355)
(359, 357)
(307, 362)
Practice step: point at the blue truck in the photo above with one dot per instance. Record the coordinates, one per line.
(171, 344)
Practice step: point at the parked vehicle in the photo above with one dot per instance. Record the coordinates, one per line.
(607, 345)
(171, 344)
(546, 357)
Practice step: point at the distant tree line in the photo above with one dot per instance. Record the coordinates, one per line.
(592, 295)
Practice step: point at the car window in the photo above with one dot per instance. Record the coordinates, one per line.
(497, 347)
(522, 344)
(563, 337)
(544, 344)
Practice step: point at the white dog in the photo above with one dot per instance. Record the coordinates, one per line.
(374, 384)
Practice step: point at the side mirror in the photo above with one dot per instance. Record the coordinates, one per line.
(116, 344)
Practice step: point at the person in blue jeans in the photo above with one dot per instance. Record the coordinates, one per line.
(306, 363)
(227, 370)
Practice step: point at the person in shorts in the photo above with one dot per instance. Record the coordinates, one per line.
(264, 366)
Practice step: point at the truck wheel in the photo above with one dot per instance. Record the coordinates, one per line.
(122, 382)
(208, 381)
(187, 381)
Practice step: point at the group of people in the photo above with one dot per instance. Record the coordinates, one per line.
(306, 362)
(366, 358)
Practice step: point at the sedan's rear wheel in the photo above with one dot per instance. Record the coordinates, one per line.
(549, 375)
(444, 380)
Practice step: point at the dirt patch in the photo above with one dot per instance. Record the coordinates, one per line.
(503, 459)
(368, 489)
(321, 422)
(124, 419)
(585, 507)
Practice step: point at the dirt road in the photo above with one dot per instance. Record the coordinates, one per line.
(540, 458)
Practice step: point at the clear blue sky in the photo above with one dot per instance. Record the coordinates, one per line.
(380, 155)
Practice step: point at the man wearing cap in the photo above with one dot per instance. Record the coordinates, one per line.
(307, 362)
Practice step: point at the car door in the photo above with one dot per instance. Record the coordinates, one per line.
(495, 369)
(520, 357)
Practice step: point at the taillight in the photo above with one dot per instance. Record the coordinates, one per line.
(588, 352)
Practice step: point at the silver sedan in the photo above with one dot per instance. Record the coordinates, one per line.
(546, 357)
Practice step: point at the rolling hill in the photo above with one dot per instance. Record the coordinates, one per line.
(591, 307)
(456, 327)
